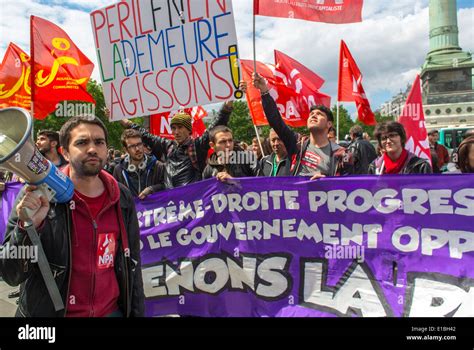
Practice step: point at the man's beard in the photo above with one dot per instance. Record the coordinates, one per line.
(45, 149)
(86, 169)
(138, 159)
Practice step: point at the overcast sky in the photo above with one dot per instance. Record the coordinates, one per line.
(389, 46)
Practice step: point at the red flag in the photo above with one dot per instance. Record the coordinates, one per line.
(61, 71)
(293, 86)
(328, 11)
(413, 120)
(198, 113)
(160, 123)
(15, 79)
(350, 86)
(303, 84)
(253, 94)
(295, 70)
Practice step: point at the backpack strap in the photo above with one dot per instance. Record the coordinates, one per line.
(45, 268)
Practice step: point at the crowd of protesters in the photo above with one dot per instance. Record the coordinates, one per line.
(105, 181)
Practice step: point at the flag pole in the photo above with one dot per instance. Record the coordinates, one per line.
(32, 69)
(254, 46)
(338, 91)
(337, 121)
(255, 71)
(258, 139)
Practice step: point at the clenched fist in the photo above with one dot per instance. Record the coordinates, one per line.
(38, 207)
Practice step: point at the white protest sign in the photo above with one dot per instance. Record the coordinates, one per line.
(162, 55)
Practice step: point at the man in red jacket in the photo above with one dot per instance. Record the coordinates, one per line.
(91, 243)
(439, 153)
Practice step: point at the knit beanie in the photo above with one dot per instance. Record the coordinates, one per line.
(183, 119)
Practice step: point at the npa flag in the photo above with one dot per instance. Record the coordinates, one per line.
(350, 86)
(413, 120)
(61, 71)
(295, 74)
(293, 86)
(15, 79)
(328, 11)
(160, 123)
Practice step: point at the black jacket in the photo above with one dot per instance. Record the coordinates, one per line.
(243, 169)
(362, 153)
(413, 165)
(136, 181)
(296, 146)
(55, 234)
(266, 166)
(110, 166)
(184, 163)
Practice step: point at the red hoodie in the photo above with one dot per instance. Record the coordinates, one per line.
(93, 288)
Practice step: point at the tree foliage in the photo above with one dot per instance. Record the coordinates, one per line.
(241, 123)
(346, 122)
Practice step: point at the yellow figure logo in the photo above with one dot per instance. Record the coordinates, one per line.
(60, 44)
(25, 74)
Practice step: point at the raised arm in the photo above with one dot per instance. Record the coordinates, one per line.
(288, 136)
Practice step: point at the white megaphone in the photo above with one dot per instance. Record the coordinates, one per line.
(19, 155)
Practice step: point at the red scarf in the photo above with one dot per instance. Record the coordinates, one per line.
(394, 167)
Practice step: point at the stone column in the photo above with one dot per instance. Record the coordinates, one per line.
(443, 27)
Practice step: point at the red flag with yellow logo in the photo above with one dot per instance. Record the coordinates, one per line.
(60, 70)
(15, 79)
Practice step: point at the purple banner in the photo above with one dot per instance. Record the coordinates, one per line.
(6, 204)
(367, 246)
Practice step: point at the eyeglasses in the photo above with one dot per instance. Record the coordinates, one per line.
(392, 136)
(135, 146)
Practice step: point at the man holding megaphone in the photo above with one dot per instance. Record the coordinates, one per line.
(91, 242)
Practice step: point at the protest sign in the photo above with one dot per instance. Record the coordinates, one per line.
(368, 246)
(160, 56)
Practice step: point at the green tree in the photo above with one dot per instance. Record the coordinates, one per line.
(55, 120)
(379, 119)
(241, 123)
(345, 121)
